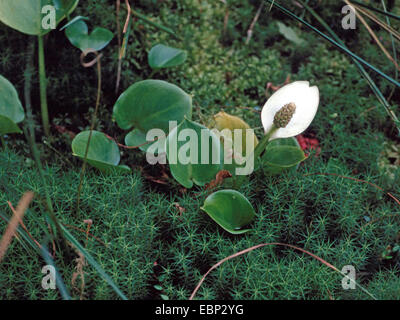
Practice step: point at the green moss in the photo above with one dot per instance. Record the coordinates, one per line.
(328, 215)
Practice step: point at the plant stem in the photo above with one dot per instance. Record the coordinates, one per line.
(3, 142)
(263, 142)
(261, 145)
(30, 135)
(43, 85)
(94, 119)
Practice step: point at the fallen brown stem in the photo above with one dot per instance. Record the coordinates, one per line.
(85, 231)
(273, 244)
(256, 247)
(373, 35)
(23, 204)
(130, 147)
(23, 225)
(128, 16)
(374, 18)
(253, 23)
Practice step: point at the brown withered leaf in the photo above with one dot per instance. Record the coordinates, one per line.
(219, 179)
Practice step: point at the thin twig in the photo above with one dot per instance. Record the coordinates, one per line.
(226, 18)
(23, 225)
(374, 18)
(118, 6)
(253, 23)
(130, 147)
(89, 224)
(85, 231)
(128, 7)
(373, 35)
(274, 244)
(122, 45)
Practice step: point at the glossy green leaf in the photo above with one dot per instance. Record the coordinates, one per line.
(103, 153)
(161, 56)
(280, 155)
(78, 34)
(292, 142)
(11, 110)
(230, 209)
(8, 126)
(10, 105)
(64, 5)
(190, 159)
(152, 104)
(137, 138)
(71, 22)
(26, 15)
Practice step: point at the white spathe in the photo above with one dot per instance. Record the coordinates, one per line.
(305, 98)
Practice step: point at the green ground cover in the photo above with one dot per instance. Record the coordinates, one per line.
(137, 221)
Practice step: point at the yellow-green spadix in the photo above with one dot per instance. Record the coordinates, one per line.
(290, 110)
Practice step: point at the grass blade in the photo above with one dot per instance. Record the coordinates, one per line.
(393, 46)
(335, 43)
(94, 263)
(388, 14)
(362, 70)
(59, 281)
(372, 33)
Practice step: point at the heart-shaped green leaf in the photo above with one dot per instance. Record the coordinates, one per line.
(137, 138)
(26, 16)
(161, 56)
(11, 110)
(78, 34)
(64, 5)
(190, 158)
(291, 142)
(282, 154)
(103, 153)
(8, 126)
(230, 209)
(151, 104)
(71, 22)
